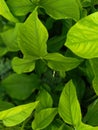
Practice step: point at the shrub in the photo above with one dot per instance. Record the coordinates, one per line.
(49, 64)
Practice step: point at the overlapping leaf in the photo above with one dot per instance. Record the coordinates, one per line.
(91, 116)
(59, 62)
(9, 38)
(82, 38)
(16, 115)
(23, 65)
(61, 9)
(5, 12)
(44, 102)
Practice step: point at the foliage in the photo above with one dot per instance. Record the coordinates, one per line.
(48, 64)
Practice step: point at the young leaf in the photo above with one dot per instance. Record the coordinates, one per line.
(5, 12)
(18, 114)
(82, 39)
(61, 9)
(33, 36)
(20, 86)
(23, 65)
(59, 62)
(69, 108)
(20, 8)
(44, 118)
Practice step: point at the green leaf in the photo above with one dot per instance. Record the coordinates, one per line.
(44, 118)
(94, 64)
(20, 8)
(87, 70)
(61, 9)
(3, 48)
(86, 127)
(12, 128)
(44, 102)
(9, 38)
(5, 105)
(59, 62)
(82, 38)
(16, 115)
(69, 108)
(55, 43)
(86, 3)
(80, 87)
(23, 65)
(20, 86)
(40, 67)
(91, 116)
(65, 127)
(33, 36)
(5, 12)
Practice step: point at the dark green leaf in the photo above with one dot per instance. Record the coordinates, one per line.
(16, 115)
(20, 86)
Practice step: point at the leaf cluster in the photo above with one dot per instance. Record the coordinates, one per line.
(49, 64)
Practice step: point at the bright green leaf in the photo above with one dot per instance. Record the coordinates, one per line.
(59, 62)
(69, 108)
(20, 86)
(33, 36)
(16, 115)
(44, 118)
(61, 9)
(5, 12)
(82, 38)
(23, 65)
(80, 87)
